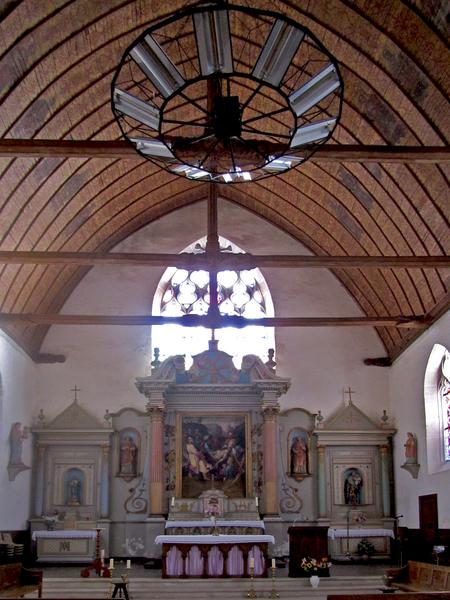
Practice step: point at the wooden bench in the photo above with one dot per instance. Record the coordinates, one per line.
(16, 581)
(421, 577)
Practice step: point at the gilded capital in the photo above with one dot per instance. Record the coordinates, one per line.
(270, 413)
(156, 413)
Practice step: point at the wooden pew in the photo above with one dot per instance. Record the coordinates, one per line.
(16, 581)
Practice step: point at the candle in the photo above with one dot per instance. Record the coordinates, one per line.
(102, 553)
(172, 502)
(111, 563)
(128, 564)
(252, 562)
(256, 501)
(273, 563)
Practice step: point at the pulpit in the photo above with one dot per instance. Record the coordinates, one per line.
(306, 542)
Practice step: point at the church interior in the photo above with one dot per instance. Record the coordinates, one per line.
(225, 294)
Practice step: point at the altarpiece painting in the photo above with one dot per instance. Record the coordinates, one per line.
(213, 451)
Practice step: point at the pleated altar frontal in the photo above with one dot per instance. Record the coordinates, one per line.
(214, 555)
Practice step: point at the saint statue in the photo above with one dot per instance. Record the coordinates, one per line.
(411, 448)
(299, 457)
(353, 487)
(128, 456)
(74, 492)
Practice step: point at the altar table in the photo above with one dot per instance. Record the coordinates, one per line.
(334, 533)
(214, 555)
(65, 545)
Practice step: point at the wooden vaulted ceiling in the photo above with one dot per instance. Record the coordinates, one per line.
(57, 59)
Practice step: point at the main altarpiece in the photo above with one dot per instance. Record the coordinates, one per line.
(210, 453)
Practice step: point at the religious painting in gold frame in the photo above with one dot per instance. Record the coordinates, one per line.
(213, 452)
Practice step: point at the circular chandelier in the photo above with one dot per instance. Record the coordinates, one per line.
(225, 93)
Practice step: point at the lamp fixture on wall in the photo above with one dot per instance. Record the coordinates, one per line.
(225, 93)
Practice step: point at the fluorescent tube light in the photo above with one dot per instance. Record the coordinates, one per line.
(278, 52)
(212, 32)
(152, 148)
(312, 133)
(227, 177)
(154, 62)
(282, 163)
(134, 107)
(196, 173)
(315, 90)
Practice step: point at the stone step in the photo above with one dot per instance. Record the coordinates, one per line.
(204, 589)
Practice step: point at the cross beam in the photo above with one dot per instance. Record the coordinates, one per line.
(213, 322)
(15, 148)
(224, 260)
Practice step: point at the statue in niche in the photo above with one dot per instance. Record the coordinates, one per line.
(128, 453)
(73, 488)
(298, 453)
(353, 484)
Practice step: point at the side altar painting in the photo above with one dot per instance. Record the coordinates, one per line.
(213, 452)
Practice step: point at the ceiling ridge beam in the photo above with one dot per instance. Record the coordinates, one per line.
(14, 148)
(224, 260)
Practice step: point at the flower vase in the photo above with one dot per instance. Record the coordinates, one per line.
(314, 580)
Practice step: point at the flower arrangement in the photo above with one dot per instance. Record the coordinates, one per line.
(314, 566)
(365, 547)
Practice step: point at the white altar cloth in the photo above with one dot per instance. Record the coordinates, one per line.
(218, 523)
(334, 533)
(213, 539)
(65, 533)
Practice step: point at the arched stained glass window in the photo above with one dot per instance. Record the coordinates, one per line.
(182, 292)
(444, 401)
(437, 409)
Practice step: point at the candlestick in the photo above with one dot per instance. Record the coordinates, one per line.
(256, 501)
(273, 592)
(102, 553)
(172, 502)
(128, 564)
(252, 593)
(111, 563)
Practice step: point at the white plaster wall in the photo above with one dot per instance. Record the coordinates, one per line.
(17, 373)
(104, 361)
(406, 380)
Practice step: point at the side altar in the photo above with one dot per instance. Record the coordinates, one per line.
(213, 455)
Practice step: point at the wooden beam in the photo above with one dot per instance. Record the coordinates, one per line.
(14, 148)
(224, 260)
(413, 322)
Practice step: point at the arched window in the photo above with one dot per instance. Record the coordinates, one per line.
(182, 292)
(437, 409)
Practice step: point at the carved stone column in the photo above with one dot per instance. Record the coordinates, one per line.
(385, 487)
(104, 482)
(39, 482)
(321, 483)
(270, 485)
(156, 475)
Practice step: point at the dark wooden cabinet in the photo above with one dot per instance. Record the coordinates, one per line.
(306, 542)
